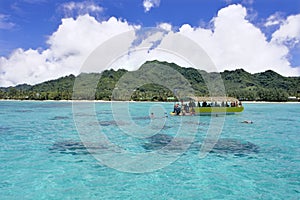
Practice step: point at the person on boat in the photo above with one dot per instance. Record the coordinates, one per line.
(190, 104)
(236, 103)
(183, 107)
(192, 111)
(186, 108)
(177, 109)
(193, 104)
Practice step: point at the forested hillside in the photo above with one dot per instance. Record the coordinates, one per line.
(265, 86)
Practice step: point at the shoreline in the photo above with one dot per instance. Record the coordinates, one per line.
(105, 101)
(270, 102)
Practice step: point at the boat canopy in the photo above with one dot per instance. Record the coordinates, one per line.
(214, 99)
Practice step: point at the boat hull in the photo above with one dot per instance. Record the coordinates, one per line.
(214, 111)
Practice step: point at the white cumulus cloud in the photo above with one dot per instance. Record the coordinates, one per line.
(148, 4)
(289, 31)
(274, 19)
(80, 8)
(234, 42)
(69, 46)
(5, 23)
(165, 26)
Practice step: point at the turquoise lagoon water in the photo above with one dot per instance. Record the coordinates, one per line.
(42, 156)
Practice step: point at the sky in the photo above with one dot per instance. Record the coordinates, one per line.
(46, 39)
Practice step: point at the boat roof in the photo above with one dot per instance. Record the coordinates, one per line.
(213, 99)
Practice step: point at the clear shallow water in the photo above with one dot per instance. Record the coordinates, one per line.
(42, 157)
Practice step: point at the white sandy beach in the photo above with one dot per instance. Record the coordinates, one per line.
(105, 101)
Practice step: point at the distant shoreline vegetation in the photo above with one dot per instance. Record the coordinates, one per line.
(265, 86)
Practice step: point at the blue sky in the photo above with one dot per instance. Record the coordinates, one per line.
(28, 24)
(34, 20)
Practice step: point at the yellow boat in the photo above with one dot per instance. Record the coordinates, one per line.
(210, 106)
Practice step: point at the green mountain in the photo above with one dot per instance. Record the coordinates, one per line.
(159, 81)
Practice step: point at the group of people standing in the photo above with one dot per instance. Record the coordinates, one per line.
(223, 104)
(189, 107)
(185, 108)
